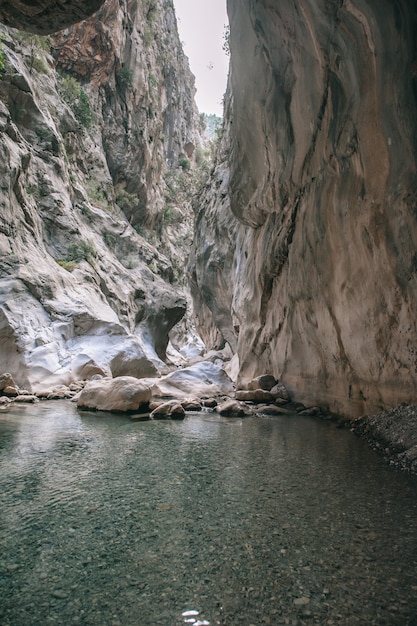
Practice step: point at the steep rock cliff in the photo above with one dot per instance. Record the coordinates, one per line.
(84, 287)
(322, 194)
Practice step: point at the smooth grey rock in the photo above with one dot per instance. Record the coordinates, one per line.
(168, 410)
(124, 394)
(6, 380)
(254, 395)
(265, 381)
(233, 408)
(198, 380)
(280, 391)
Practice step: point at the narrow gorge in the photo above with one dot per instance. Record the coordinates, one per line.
(309, 213)
(198, 316)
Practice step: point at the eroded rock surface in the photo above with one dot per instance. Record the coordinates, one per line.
(308, 233)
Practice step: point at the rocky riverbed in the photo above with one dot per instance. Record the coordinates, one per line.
(392, 433)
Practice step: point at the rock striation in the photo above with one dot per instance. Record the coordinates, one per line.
(305, 246)
(88, 121)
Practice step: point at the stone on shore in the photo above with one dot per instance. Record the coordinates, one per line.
(191, 404)
(254, 395)
(122, 395)
(6, 380)
(26, 398)
(11, 391)
(273, 409)
(168, 410)
(209, 403)
(233, 408)
(266, 382)
(280, 391)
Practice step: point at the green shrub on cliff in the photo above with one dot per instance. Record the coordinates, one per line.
(81, 251)
(77, 100)
(2, 59)
(124, 77)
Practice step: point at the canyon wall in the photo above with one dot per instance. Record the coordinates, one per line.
(89, 120)
(312, 211)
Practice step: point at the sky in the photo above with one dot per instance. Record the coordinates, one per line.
(201, 25)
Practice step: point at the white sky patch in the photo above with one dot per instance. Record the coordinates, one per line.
(201, 25)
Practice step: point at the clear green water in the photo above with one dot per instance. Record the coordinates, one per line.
(256, 521)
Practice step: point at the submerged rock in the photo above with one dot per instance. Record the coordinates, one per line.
(124, 394)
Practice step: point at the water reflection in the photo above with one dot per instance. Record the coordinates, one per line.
(255, 521)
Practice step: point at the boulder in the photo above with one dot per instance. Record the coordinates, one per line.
(280, 391)
(11, 391)
(266, 381)
(132, 361)
(233, 408)
(26, 398)
(191, 404)
(59, 393)
(254, 395)
(313, 410)
(122, 395)
(199, 380)
(84, 367)
(210, 403)
(169, 410)
(6, 380)
(273, 409)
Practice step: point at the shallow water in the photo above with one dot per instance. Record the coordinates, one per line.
(258, 521)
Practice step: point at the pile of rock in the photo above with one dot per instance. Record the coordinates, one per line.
(266, 396)
(202, 386)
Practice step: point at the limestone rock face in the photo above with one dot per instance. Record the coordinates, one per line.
(85, 287)
(321, 185)
(44, 16)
